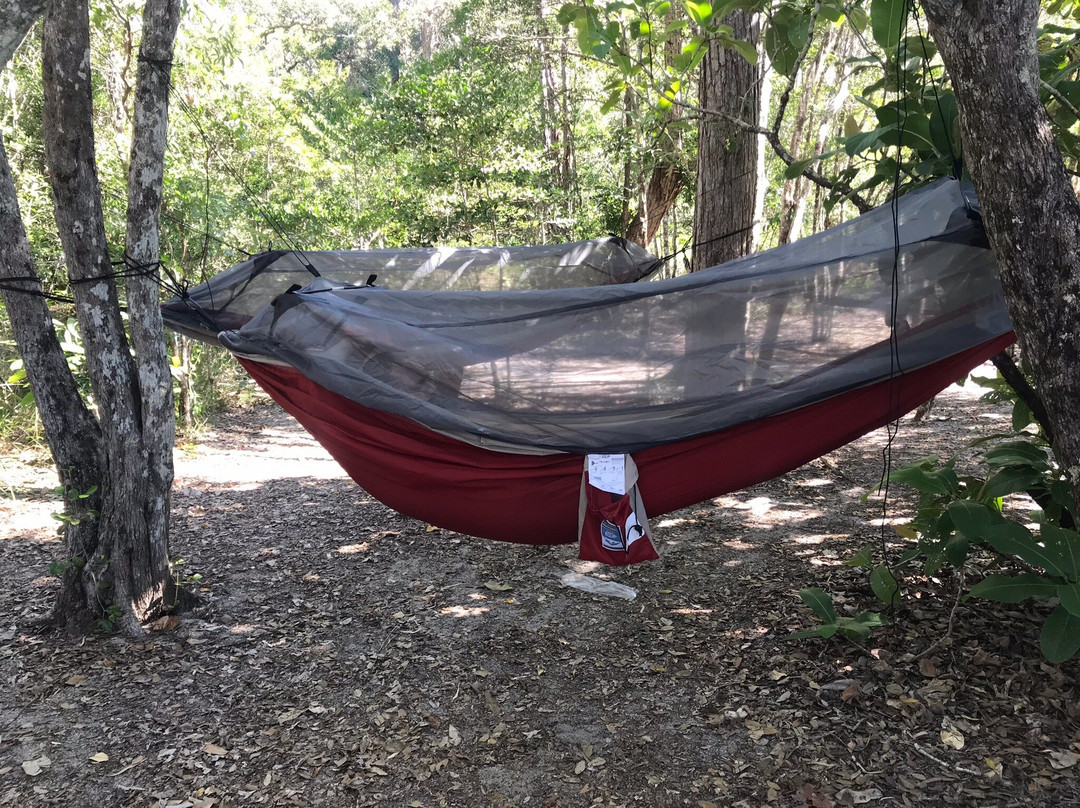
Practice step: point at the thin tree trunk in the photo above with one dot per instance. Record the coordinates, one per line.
(662, 192)
(145, 184)
(129, 567)
(1031, 213)
(70, 429)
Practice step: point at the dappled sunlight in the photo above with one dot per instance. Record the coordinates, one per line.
(584, 567)
(353, 549)
(671, 521)
(738, 544)
(464, 611)
(243, 628)
(242, 467)
(816, 482)
(692, 611)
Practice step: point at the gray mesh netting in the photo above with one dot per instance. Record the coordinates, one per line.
(627, 366)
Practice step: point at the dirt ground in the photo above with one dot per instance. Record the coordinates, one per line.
(348, 656)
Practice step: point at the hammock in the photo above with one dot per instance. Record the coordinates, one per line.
(472, 409)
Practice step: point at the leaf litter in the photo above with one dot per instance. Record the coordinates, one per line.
(344, 655)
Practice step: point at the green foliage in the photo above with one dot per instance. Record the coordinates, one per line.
(852, 628)
(959, 512)
(75, 512)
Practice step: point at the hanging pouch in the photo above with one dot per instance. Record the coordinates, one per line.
(612, 525)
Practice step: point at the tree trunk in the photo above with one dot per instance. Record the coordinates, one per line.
(726, 187)
(70, 429)
(145, 185)
(662, 192)
(727, 154)
(124, 574)
(19, 16)
(1028, 204)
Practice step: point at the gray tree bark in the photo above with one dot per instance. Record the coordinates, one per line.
(71, 431)
(1028, 204)
(726, 186)
(18, 16)
(727, 153)
(161, 18)
(119, 558)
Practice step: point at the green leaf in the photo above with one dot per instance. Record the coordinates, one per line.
(819, 602)
(1070, 597)
(884, 585)
(926, 480)
(1060, 637)
(888, 19)
(1017, 453)
(825, 631)
(920, 46)
(798, 167)
(612, 101)
(782, 53)
(956, 549)
(1066, 544)
(858, 18)
(871, 619)
(1021, 415)
(1014, 588)
(568, 13)
(743, 48)
(1013, 539)
(700, 12)
(970, 518)
(1009, 481)
(852, 628)
(863, 558)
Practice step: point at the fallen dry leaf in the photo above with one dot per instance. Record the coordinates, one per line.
(1064, 760)
(848, 796)
(951, 736)
(496, 586)
(215, 750)
(98, 757)
(166, 623)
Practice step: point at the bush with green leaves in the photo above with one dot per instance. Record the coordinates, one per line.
(959, 511)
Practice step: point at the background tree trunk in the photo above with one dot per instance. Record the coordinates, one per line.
(726, 199)
(727, 154)
(1028, 204)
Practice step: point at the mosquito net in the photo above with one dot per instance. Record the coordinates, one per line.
(230, 299)
(626, 367)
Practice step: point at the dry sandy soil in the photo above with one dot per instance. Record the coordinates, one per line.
(344, 655)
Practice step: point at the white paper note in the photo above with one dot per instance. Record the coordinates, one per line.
(608, 472)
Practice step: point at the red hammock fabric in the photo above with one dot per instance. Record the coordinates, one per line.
(533, 499)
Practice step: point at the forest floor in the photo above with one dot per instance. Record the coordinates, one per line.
(345, 655)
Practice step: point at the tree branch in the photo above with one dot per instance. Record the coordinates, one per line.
(1016, 379)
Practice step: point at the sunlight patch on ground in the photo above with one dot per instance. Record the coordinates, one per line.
(292, 455)
(22, 519)
(352, 549)
(465, 611)
(817, 482)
